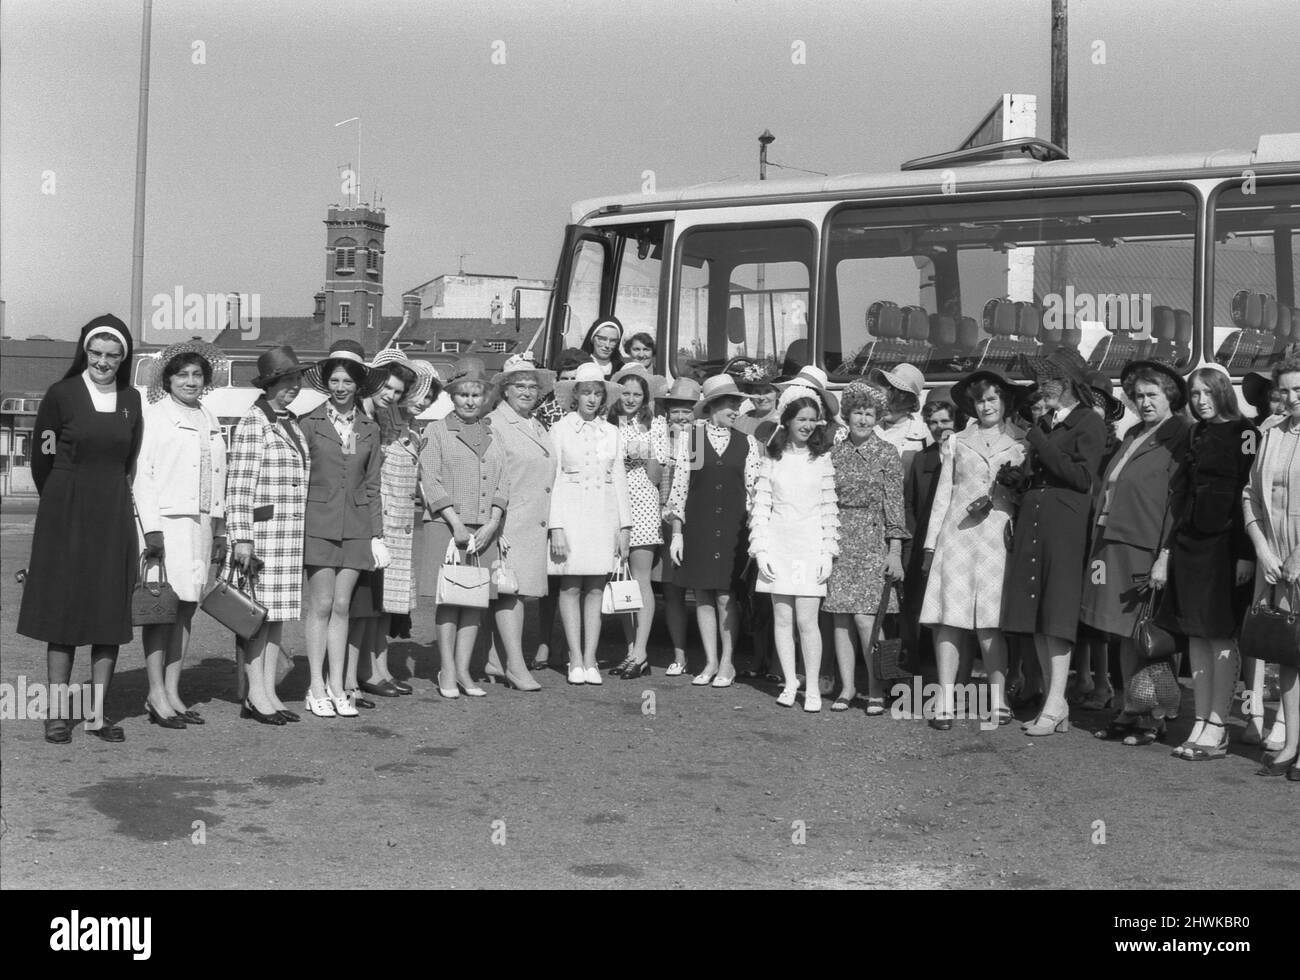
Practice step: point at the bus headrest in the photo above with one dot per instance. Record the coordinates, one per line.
(884, 320)
(1282, 330)
(1246, 309)
(999, 318)
(1267, 312)
(1029, 320)
(1162, 322)
(968, 333)
(1072, 337)
(1182, 327)
(915, 323)
(943, 330)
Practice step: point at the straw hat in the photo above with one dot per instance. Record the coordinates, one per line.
(524, 364)
(586, 373)
(425, 378)
(718, 386)
(904, 377)
(212, 354)
(346, 351)
(811, 381)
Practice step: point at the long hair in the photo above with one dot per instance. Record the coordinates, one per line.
(81, 360)
(644, 414)
(819, 442)
(1220, 385)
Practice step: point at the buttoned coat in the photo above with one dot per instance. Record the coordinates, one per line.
(530, 469)
(266, 498)
(343, 498)
(919, 485)
(167, 470)
(1140, 498)
(589, 502)
(463, 466)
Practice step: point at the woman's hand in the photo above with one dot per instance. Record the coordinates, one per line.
(894, 567)
(824, 565)
(1160, 571)
(484, 535)
(1245, 571)
(624, 543)
(379, 552)
(1291, 567)
(243, 554)
(765, 567)
(1269, 565)
(460, 533)
(220, 548)
(559, 547)
(153, 546)
(675, 548)
(927, 559)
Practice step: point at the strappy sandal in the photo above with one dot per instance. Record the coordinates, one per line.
(1185, 749)
(1199, 753)
(840, 704)
(875, 707)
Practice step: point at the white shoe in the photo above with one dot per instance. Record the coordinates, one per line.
(812, 702)
(592, 675)
(786, 698)
(320, 707)
(704, 678)
(577, 675)
(342, 706)
(720, 681)
(675, 670)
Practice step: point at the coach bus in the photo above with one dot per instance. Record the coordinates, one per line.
(955, 262)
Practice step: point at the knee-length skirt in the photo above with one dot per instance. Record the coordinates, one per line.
(433, 549)
(187, 554)
(1045, 569)
(1111, 602)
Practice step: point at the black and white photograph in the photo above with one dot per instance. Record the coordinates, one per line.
(596, 446)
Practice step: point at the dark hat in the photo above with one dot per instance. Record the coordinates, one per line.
(346, 351)
(961, 390)
(1254, 389)
(104, 323)
(1100, 384)
(277, 363)
(1160, 368)
(466, 370)
(752, 375)
(1064, 363)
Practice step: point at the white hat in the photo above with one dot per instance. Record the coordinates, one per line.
(586, 373)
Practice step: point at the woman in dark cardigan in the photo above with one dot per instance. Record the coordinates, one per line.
(1046, 564)
(1212, 562)
(84, 548)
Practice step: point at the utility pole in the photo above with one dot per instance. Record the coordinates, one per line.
(141, 149)
(764, 141)
(1060, 74)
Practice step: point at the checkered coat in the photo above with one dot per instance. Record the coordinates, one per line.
(398, 480)
(266, 497)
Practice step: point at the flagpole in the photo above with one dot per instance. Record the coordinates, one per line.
(141, 150)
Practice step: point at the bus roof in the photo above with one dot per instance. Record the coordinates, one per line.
(987, 175)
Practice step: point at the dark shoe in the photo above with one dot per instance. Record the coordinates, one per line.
(108, 733)
(58, 731)
(1293, 774)
(175, 721)
(633, 670)
(358, 701)
(1119, 727)
(401, 687)
(248, 711)
(192, 717)
(941, 724)
(381, 690)
(1277, 768)
(288, 715)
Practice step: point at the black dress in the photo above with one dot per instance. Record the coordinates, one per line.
(714, 540)
(84, 548)
(1046, 566)
(1210, 537)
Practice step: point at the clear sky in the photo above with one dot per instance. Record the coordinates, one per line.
(473, 155)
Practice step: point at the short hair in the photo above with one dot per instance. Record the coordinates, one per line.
(981, 387)
(452, 388)
(571, 358)
(1220, 385)
(402, 373)
(1289, 365)
(859, 395)
(821, 440)
(1150, 376)
(180, 362)
(644, 339)
(644, 414)
(898, 400)
(577, 390)
(939, 405)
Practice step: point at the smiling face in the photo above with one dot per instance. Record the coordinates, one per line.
(989, 409)
(604, 342)
(862, 420)
(1201, 398)
(680, 413)
(764, 401)
(630, 402)
(391, 393)
(343, 390)
(103, 358)
(722, 411)
(1288, 389)
(639, 352)
(522, 392)
(802, 426)
(186, 385)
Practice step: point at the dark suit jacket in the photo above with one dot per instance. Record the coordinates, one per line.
(918, 499)
(343, 496)
(1140, 498)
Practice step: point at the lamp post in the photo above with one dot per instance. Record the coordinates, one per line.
(764, 141)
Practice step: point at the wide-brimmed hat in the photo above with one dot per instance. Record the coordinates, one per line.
(524, 364)
(425, 378)
(346, 351)
(813, 380)
(683, 390)
(904, 377)
(961, 391)
(212, 354)
(752, 375)
(1099, 383)
(1062, 364)
(585, 374)
(656, 384)
(1254, 389)
(466, 370)
(1160, 368)
(715, 387)
(276, 363)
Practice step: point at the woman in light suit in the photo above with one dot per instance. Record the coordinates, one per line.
(180, 495)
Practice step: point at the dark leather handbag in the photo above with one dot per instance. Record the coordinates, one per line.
(1152, 642)
(232, 607)
(153, 603)
(1269, 634)
(886, 652)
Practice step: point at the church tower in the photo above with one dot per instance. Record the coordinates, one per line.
(354, 274)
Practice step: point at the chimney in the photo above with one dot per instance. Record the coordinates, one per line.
(411, 306)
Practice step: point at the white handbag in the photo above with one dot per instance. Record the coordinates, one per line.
(622, 593)
(461, 583)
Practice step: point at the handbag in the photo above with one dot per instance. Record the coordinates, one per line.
(886, 652)
(503, 576)
(153, 603)
(622, 593)
(232, 607)
(1269, 634)
(463, 583)
(1152, 642)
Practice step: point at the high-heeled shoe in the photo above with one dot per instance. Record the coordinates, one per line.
(320, 707)
(720, 681)
(1278, 767)
(246, 710)
(288, 715)
(1182, 750)
(1046, 724)
(1276, 740)
(508, 680)
(592, 675)
(577, 675)
(704, 678)
(342, 706)
(356, 700)
(472, 690)
(812, 703)
(786, 698)
(174, 722)
(192, 717)
(450, 693)
(1201, 753)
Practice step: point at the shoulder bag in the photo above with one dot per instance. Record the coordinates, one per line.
(463, 583)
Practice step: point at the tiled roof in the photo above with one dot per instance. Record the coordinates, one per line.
(305, 334)
(31, 366)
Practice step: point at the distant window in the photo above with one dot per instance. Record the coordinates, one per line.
(370, 315)
(31, 406)
(449, 347)
(144, 370)
(372, 256)
(11, 405)
(345, 312)
(496, 346)
(345, 255)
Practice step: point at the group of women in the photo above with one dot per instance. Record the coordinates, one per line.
(1012, 521)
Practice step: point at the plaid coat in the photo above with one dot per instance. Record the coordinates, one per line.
(398, 480)
(266, 497)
